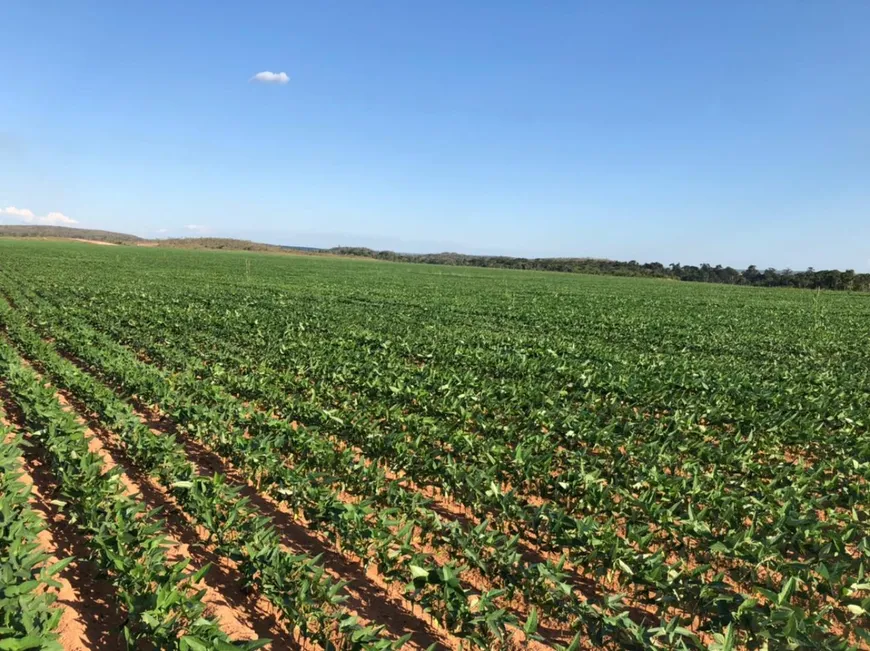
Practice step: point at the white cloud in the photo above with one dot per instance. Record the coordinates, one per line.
(27, 216)
(56, 218)
(17, 212)
(268, 77)
(197, 228)
(162, 230)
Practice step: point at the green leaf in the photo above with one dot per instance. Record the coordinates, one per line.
(21, 588)
(21, 643)
(531, 625)
(194, 643)
(418, 572)
(57, 567)
(730, 638)
(787, 590)
(624, 566)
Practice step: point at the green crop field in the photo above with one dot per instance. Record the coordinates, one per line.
(381, 454)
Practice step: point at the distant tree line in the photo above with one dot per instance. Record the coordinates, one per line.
(217, 244)
(65, 232)
(810, 279)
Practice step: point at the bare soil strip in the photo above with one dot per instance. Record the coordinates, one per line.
(373, 599)
(91, 616)
(450, 509)
(370, 597)
(239, 615)
(101, 243)
(364, 602)
(233, 622)
(549, 629)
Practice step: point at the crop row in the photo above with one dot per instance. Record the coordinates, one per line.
(295, 584)
(127, 541)
(697, 460)
(838, 574)
(28, 616)
(386, 539)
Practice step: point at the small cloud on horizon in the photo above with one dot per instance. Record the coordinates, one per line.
(56, 218)
(197, 228)
(18, 212)
(28, 217)
(268, 77)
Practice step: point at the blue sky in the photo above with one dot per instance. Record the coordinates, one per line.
(729, 132)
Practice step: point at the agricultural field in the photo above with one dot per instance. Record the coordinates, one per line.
(226, 450)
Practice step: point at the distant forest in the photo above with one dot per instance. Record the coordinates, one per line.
(810, 279)
(65, 232)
